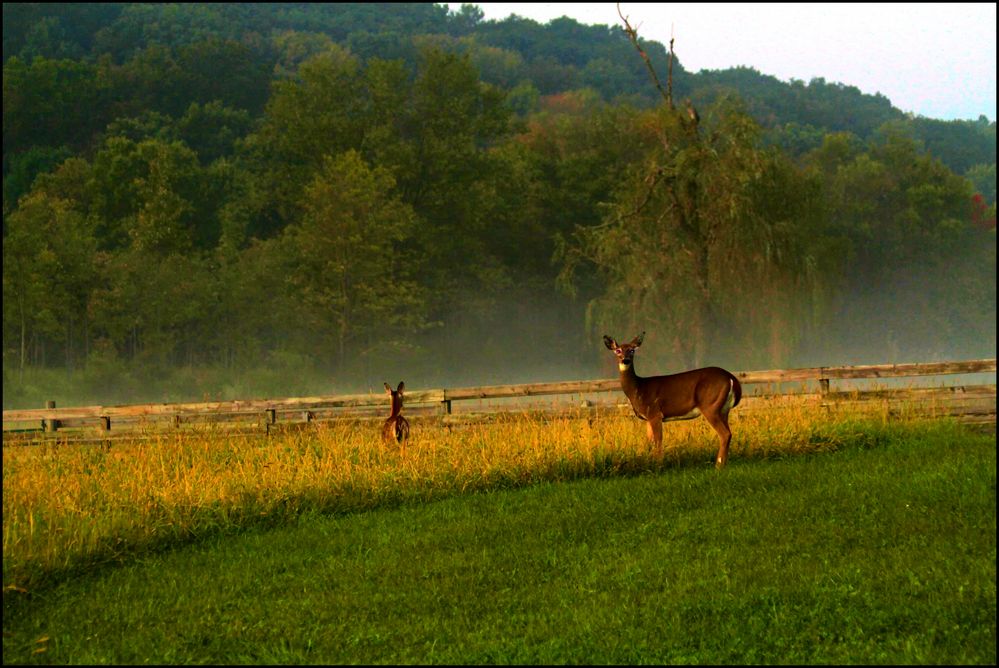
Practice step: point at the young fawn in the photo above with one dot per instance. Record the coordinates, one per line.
(396, 427)
(711, 392)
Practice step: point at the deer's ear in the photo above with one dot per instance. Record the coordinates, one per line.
(388, 389)
(609, 342)
(637, 341)
(401, 386)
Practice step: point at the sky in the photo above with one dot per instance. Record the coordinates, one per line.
(935, 60)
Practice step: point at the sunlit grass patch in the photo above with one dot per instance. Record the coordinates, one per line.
(66, 506)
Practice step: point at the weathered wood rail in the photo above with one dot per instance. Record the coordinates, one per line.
(977, 401)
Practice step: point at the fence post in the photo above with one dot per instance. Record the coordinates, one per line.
(50, 424)
(823, 386)
(106, 422)
(270, 417)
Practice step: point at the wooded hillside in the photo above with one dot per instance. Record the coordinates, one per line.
(222, 200)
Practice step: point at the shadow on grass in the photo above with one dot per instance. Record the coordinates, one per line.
(686, 454)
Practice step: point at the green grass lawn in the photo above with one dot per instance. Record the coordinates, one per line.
(881, 552)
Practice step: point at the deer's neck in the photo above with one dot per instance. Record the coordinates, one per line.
(396, 407)
(630, 381)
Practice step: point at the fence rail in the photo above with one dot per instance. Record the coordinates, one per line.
(439, 401)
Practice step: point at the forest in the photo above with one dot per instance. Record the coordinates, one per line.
(240, 200)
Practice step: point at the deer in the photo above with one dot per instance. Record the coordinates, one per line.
(396, 427)
(710, 392)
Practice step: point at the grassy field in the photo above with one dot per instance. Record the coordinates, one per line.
(826, 540)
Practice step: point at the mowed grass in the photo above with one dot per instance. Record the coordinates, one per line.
(825, 540)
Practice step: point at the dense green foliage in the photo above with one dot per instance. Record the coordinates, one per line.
(883, 551)
(341, 192)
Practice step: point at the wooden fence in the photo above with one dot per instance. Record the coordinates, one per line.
(975, 402)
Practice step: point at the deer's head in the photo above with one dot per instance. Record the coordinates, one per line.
(396, 395)
(625, 352)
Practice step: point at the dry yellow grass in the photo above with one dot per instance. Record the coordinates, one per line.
(73, 504)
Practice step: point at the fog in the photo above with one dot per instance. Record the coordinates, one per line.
(546, 341)
(542, 338)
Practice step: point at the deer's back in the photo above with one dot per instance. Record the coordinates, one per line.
(680, 393)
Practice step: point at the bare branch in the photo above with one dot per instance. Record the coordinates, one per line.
(669, 74)
(633, 36)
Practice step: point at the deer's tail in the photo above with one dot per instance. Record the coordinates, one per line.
(736, 390)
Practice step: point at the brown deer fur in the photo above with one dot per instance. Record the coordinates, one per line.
(711, 392)
(396, 427)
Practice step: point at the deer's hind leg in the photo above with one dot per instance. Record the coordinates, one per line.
(719, 420)
(401, 432)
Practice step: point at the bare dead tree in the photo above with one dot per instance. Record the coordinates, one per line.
(682, 236)
(678, 187)
(669, 72)
(632, 33)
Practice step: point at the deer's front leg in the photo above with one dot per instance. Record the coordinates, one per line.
(655, 429)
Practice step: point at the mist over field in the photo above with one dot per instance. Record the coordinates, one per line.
(206, 202)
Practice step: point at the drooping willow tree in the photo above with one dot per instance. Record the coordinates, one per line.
(711, 242)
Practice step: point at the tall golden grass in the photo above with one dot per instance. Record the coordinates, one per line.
(70, 505)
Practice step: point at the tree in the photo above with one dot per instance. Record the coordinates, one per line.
(50, 103)
(983, 179)
(152, 193)
(315, 115)
(24, 167)
(48, 272)
(225, 72)
(706, 223)
(293, 48)
(157, 309)
(453, 118)
(48, 38)
(918, 273)
(466, 19)
(212, 130)
(353, 274)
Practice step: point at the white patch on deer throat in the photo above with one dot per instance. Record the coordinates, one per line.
(622, 367)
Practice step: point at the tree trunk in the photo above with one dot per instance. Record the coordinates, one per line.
(69, 345)
(24, 334)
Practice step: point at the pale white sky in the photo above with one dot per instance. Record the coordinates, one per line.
(936, 60)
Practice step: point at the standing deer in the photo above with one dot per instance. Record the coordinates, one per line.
(711, 392)
(396, 427)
